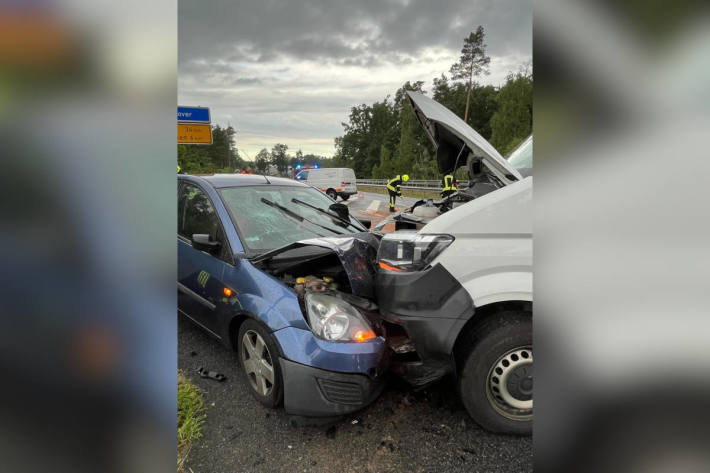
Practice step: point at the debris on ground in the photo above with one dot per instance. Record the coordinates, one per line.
(205, 373)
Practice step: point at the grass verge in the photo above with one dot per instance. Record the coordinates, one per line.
(417, 194)
(191, 416)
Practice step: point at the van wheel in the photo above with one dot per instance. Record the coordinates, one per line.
(332, 194)
(496, 378)
(345, 196)
(258, 357)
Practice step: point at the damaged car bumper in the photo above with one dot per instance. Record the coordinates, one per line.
(324, 378)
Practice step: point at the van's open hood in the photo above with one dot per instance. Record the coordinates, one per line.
(449, 133)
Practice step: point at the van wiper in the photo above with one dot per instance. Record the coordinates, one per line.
(337, 217)
(298, 217)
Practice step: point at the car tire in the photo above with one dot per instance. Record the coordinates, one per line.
(259, 359)
(345, 196)
(495, 379)
(332, 194)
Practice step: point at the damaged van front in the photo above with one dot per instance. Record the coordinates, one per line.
(456, 296)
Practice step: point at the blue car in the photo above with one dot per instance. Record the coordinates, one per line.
(278, 271)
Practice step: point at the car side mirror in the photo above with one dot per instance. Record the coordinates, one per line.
(341, 210)
(203, 242)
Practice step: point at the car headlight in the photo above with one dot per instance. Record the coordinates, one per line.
(334, 319)
(410, 251)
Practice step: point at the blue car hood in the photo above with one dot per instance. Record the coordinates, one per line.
(357, 253)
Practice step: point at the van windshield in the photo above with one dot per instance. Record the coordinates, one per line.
(267, 218)
(522, 157)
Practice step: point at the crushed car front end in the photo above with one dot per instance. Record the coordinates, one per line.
(336, 364)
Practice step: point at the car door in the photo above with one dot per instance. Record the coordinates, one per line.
(200, 273)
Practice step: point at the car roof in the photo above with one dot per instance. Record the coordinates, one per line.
(219, 181)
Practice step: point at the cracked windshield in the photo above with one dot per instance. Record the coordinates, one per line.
(269, 217)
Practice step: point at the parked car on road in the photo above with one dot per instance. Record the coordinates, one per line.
(336, 182)
(460, 288)
(258, 271)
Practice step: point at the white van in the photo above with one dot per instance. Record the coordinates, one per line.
(333, 181)
(461, 286)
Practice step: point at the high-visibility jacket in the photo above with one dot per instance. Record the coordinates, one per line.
(449, 183)
(395, 183)
(179, 169)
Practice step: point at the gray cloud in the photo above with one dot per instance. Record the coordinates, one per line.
(249, 56)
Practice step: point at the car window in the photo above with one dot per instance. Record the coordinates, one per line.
(196, 214)
(264, 227)
(302, 176)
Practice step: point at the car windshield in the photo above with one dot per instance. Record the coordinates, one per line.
(522, 156)
(267, 218)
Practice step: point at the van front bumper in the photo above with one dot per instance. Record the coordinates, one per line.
(314, 392)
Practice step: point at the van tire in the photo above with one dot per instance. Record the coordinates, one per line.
(345, 196)
(332, 194)
(503, 335)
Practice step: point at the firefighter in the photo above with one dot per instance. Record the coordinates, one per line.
(449, 185)
(179, 169)
(394, 189)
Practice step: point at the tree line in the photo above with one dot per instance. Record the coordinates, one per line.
(384, 139)
(222, 156)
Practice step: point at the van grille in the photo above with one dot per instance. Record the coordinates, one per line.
(341, 392)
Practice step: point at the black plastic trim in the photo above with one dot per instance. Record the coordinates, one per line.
(186, 290)
(432, 307)
(304, 393)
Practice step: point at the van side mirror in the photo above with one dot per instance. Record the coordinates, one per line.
(203, 242)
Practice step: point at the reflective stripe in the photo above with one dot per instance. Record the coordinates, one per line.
(448, 183)
(398, 180)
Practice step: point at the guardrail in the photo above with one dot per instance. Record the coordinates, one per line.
(429, 185)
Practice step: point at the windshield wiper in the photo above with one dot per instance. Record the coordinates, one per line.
(337, 217)
(298, 217)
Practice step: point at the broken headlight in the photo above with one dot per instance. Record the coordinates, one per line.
(410, 251)
(334, 319)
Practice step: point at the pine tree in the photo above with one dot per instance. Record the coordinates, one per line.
(473, 62)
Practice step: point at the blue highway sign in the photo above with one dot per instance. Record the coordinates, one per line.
(193, 114)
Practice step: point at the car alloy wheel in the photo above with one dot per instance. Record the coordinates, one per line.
(510, 384)
(258, 363)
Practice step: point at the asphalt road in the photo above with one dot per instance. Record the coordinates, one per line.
(402, 431)
(366, 202)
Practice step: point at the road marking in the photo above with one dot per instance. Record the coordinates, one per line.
(374, 205)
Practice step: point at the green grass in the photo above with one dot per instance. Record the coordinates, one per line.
(417, 194)
(191, 416)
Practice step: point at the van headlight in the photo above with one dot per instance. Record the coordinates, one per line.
(334, 319)
(410, 251)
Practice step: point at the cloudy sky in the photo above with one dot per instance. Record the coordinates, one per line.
(289, 71)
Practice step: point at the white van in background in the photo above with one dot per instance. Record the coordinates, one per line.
(333, 181)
